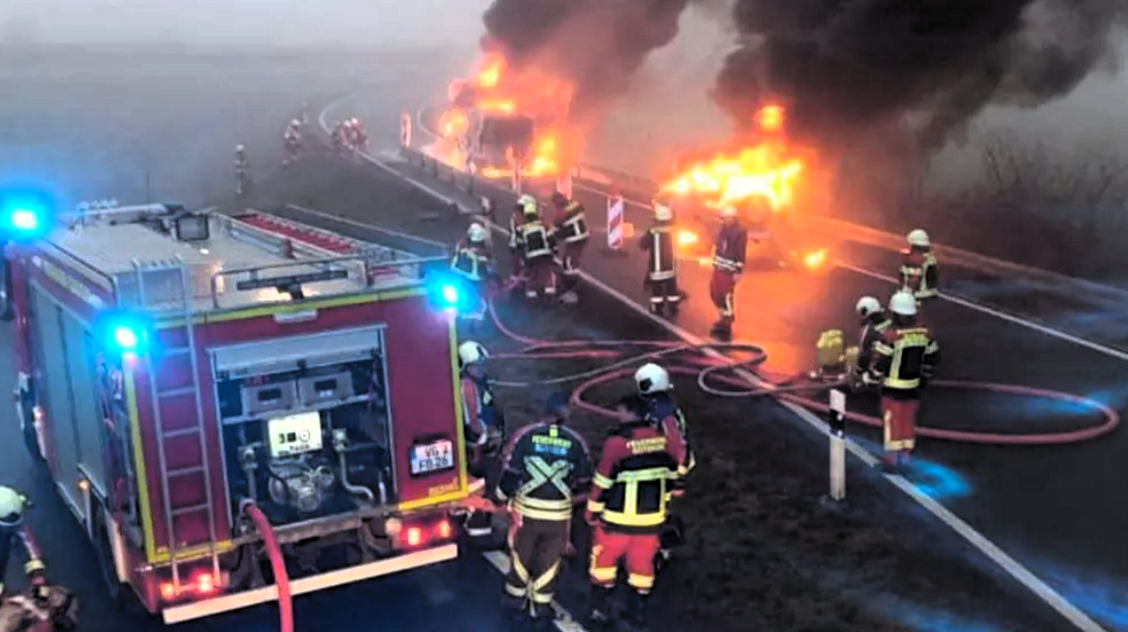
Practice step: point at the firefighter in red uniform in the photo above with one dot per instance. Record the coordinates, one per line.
(627, 510)
(484, 425)
(904, 359)
(538, 248)
(545, 466)
(729, 253)
(919, 270)
(571, 233)
(662, 266)
(472, 261)
(658, 406)
(516, 240)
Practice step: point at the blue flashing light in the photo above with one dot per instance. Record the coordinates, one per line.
(124, 333)
(24, 216)
(449, 293)
(125, 338)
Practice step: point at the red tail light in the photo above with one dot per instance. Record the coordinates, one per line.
(413, 536)
(444, 530)
(201, 585)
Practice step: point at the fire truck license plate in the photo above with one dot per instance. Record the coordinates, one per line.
(432, 457)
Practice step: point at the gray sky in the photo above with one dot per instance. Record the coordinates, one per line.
(284, 22)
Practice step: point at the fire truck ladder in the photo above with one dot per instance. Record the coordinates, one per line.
(176, 275)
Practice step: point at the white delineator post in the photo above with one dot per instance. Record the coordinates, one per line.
(564, 185)
(837, 419)
(615, 222)
(405, 130)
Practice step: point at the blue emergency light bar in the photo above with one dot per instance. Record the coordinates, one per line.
(24, 215)
(126, 333)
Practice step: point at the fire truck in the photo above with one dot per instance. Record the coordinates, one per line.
(177, 367)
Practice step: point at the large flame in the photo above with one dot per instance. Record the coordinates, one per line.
(499, 89)
(763, 168)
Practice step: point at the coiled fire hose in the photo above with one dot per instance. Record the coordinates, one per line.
(712, 373)
(277, 564)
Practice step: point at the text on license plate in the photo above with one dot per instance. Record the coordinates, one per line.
(432, 457)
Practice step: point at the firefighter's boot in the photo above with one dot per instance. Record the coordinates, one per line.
(657, 307)
(722, 329)
(890, 463)
(635, 615)
(600, 611)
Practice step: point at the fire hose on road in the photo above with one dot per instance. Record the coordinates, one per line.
(277, 564)
(685, 359)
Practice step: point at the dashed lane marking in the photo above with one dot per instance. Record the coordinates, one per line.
(1015, 569)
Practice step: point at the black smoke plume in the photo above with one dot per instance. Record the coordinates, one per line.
(845, 68)
(595, 44)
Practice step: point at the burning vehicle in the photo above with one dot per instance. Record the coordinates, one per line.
(758, 174)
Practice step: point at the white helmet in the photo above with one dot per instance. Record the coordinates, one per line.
(239, 149)
(651, 378)
(728, 211)
(903, 303)
(295, 123)
(476, 232)
(12, 505)
(470, 352)
(867, 305)
(918, 237)
(662, 212)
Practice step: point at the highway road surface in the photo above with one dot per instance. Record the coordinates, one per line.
(1058, 509)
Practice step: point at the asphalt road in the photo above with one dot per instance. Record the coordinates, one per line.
(1058, 509)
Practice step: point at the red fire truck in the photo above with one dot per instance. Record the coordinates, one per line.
(176, 366)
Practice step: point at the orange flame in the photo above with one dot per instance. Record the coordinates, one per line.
(495, 88)
(766, 170)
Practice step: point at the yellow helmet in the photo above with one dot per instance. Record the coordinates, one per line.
(529, 204)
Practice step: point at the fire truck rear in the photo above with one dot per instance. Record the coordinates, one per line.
(177, 367)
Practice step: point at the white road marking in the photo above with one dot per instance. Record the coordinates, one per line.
(1019, 572)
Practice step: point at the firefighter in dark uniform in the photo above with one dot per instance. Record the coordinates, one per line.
(875, 322)
(662, 269)
(571, 233)
(919, 270)
(729, 253)
(473, 262)
(12, 507)
(516, 243)
(545, 466)
(627, 509)
(483, 423)
(658, 406)
(538, 254)
(904, 359)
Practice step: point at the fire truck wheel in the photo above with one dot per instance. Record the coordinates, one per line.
(120, 595)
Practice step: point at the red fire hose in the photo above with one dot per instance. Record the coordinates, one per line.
(277, 564)
(682, 359)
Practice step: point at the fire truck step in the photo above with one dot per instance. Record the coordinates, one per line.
(176, 392)
(180, 511)
(182, 432)
(181, 471)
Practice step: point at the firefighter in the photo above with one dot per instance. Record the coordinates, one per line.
(516, 241)
(729, 252)
(13, 506)
(292, 140)
(658, 406)
(545, 466)
(537, 253)
(662, 269)
(242, 171)
(473, 262)
(360, 135)
(571, 232)
(484, 425)
(919, 270)
(627, 510)
(904, 359)
(875, 322)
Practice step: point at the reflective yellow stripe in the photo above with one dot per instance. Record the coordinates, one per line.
(602, 481)
(642, 582)
(595, 506)
(901, 384)
(635, 520)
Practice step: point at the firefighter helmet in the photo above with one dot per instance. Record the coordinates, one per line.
(866, 306)
(295, 123)
(476, 233)
(651, 378)
(239, 149)
(12, 505)
(529, 205)
(470, 352)
(903, 303)
(919, 238)
(662, 213)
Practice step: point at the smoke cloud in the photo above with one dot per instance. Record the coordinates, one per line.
(848, 67)
(595, 44)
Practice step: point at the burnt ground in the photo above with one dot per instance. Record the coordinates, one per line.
(764, 552)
